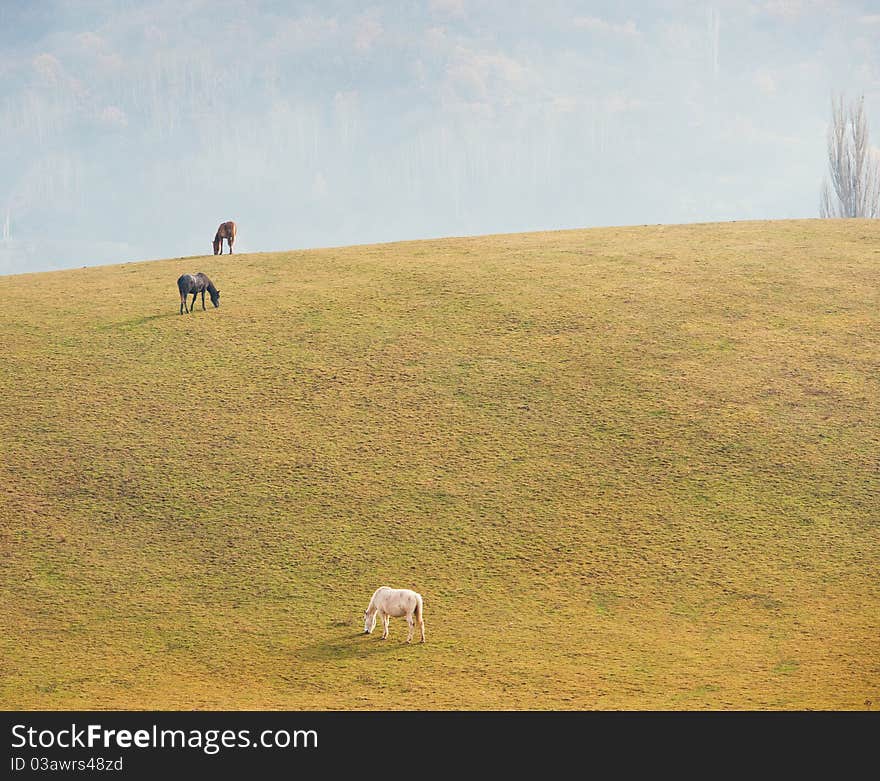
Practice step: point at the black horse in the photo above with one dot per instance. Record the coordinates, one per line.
(195, 284)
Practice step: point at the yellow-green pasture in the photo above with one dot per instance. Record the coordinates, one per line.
(629, 468)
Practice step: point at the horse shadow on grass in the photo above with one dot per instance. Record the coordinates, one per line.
(350, 644)
(126, 324)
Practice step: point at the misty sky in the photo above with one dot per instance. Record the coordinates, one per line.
(130, 130)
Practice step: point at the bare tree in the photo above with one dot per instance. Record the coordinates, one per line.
(853, 165)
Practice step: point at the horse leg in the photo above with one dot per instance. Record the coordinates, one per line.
(411, 624)
(193, 304)
(230, 245)
(385, 620)
(203, 300)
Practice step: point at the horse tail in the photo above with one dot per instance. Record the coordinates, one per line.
(420, 616)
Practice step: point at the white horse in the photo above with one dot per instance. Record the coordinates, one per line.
(387, 602)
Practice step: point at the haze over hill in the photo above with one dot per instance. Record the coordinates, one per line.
(130, 130)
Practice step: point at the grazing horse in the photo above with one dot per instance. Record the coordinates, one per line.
(225, 231)
(195, 284)
(387, 602)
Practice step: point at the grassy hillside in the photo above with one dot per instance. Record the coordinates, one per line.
(631, 468)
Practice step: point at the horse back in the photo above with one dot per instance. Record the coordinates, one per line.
(396, 601)
(226, 230)
(202, 281)
(193, 283)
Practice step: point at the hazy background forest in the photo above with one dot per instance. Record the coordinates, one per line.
(129, 130)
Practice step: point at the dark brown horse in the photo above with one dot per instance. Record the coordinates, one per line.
(195, 284)
(225, 231)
